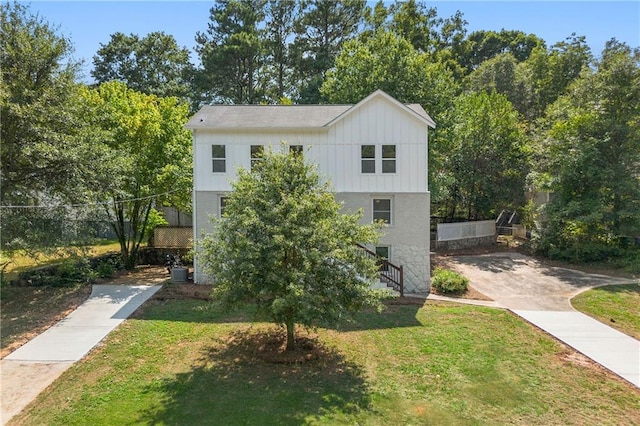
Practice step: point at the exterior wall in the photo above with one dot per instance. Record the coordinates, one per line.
(407, 236)
(336, 149)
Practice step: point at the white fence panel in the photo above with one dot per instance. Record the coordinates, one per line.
(462, 230)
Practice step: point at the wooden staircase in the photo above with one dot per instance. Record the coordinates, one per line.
(390, 274)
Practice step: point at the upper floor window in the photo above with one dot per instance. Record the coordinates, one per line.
(382, 210)
(219, 158)
(368, 158)
(296, 149)
(388, 158)
(256, 154)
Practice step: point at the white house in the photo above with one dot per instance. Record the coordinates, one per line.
(374, 153)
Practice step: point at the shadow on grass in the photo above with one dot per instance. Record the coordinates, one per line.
(234, 383)
(399, 312)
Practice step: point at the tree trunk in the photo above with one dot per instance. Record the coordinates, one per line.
(290, 334)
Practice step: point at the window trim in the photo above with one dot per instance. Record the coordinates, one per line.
(218, 160)
(390, 211)
(368, 160)
(222, 199)
(389, 160)
(257, 156)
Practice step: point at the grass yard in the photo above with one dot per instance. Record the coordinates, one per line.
(183, 362)
(20, 261)
(616, 305)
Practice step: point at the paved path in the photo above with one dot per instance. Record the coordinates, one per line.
(541, 295)
(31, 368)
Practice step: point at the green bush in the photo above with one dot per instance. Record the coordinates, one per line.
(105, 269)
(446, 281)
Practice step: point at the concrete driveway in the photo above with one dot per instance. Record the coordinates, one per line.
(516, 281)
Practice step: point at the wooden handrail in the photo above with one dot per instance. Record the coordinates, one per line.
(390, 274)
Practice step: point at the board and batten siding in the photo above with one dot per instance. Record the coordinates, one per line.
(335, 149)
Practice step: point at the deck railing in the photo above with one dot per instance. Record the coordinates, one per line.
(390, 274)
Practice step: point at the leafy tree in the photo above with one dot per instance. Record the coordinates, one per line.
(550, 72)
(321, 29)
(154, 64)
(283, 245)
(591, 153)
(231, 52)
(415, 22)
(279, 29)
(483, 45)
(487, 157)
(146, 159)
(502, 74)
(45, 161)
(39, 109)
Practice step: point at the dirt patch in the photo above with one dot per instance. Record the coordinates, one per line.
(271, 346)
(184, 291)
(29, 311)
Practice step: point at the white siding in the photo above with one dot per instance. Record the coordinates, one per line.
(336, 150)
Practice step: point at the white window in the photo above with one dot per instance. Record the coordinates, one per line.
(382, 210)
(256, 154)
(296, 149)
(368, 158)
(388, 158)
(218, 155)
(222, 205)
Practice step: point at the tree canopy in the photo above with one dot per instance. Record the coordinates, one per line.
(153, 64)
(590, 150)
(146, 159)
(283, 245)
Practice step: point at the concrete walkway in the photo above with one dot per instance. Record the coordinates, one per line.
(542, 295)
(31, 368)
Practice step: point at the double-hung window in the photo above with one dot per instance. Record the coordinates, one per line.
(388, 158)
(222, 205)
(295, 149)
(368, 158)
(256, 154)
(219, 158)
(382, 210)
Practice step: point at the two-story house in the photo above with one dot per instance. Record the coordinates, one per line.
(374, 153)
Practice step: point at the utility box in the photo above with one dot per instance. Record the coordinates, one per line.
(179, 275)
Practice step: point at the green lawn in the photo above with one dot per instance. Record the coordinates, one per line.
(616, 305)
(183, 362)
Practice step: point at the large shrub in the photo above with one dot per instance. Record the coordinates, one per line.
(446, 281)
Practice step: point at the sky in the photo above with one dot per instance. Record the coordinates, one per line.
(90, 23)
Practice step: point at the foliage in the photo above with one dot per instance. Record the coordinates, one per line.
(487, 161)
(447, 281)
(45, 160)
(283, 244)
(591, 151)
(146, 155)
(231, 53)
(38, 106)
(153, 64)
(321, 28)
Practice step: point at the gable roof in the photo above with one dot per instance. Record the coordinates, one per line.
(288, 116)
